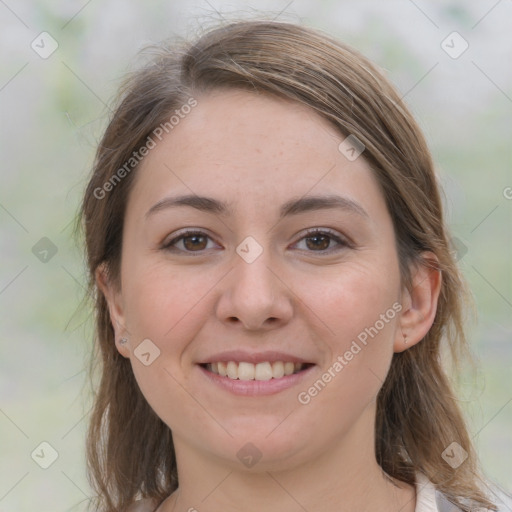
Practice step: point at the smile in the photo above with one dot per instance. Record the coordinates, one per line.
(265, 370)
(256, 379)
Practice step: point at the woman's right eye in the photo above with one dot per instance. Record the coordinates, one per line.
(191, 241)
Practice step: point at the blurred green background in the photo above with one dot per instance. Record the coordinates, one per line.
(54, 108)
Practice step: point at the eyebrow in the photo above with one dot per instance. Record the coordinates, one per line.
(291, 207)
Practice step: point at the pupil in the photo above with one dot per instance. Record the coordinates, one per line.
(325, 239)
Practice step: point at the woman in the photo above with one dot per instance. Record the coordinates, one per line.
(274, 284)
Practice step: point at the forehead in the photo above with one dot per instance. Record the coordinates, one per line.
(254, 151)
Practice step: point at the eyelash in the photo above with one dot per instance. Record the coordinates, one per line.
(343, 243)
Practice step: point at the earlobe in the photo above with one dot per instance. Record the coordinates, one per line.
(419, 303)
(113, 298)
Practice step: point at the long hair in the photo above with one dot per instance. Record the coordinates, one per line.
(130, 450)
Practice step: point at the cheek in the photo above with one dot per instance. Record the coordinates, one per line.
(362, 315)
(164, 306)
(353, 298)
(160, 299)
(360, 307)
(168, 397)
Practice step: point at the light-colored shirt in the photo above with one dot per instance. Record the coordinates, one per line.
(429, 499)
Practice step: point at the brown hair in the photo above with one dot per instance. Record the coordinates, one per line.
(417, 414)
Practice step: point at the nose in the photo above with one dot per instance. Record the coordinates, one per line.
(255, 296)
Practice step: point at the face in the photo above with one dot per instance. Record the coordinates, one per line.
(271, 276)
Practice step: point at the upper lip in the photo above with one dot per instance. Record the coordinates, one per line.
(255, 357)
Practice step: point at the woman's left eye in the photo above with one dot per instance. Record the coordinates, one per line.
(316, 241)
(321, 239)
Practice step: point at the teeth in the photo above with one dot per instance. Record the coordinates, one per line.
(246, 371)
(232, 369)
(278, 370)
(259, 371)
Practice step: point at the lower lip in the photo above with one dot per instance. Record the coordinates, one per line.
(256, 387)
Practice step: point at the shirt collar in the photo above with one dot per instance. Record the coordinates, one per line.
(425, 495)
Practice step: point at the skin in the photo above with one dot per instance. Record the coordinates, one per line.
(257, 152)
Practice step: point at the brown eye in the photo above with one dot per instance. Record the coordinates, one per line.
(318, 242)
(315, 241)
(194, 242)
(191, 241)
(322, 241)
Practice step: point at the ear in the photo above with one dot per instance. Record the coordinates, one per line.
(114, 300)
(419, 305)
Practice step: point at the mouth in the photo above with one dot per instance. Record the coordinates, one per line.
(262, 371)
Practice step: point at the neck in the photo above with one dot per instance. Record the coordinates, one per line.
(345, 477)
(272, 492)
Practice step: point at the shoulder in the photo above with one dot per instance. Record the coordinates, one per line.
(501, 498)
(444, 505)
(430, 499)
